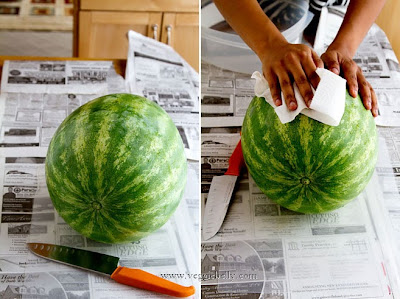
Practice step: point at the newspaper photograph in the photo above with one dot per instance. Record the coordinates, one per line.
(263, 250)
(154, 70)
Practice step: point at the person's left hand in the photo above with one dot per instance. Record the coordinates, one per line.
(340, 62)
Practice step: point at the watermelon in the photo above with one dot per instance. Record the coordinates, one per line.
(307, 166)
(116, 168)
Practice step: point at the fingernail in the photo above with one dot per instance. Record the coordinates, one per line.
(292, 106)
(278, 102)
(354, 92)
(369, 104)
(335, 70)
(375, 111)
(309, 103)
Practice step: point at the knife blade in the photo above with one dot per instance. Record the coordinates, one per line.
(107, 264)
(220, 194)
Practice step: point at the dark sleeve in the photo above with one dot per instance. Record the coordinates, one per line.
(316, 5)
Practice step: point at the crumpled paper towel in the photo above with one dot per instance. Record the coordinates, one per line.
(327, 105)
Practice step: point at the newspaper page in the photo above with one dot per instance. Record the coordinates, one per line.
(388, 169)
(263, 250)
(155, 71)
(29, 118)
(30, 115)
(225, 96)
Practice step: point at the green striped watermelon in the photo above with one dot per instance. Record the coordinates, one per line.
(307, 166)
(116, 168)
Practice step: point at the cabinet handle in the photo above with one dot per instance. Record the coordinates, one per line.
(155, 31)
(169, 34)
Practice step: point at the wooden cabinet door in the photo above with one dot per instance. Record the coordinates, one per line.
(387, 21)
(104, 34)
(140, 5)
(181, 31)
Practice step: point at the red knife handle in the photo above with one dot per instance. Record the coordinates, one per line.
(236, 161)
(144, 280)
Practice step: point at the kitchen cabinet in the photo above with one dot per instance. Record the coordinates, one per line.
(387, 21)
(100, 28)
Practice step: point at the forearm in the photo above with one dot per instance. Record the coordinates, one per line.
(248, 20)
(359, 17)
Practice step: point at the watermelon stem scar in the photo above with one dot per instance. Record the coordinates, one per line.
(96, 205)
(305, 181)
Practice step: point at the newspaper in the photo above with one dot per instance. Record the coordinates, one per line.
(156, 71)
(387, 89)
(369, 56)
(55, 76)
(267, 250)
(30, 112)
(29, 116)
(263, 250)
(225, 96)
(388, 169)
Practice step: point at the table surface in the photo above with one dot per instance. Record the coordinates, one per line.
(119, 64)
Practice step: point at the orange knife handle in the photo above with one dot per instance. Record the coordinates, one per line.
(236, 161)
(144, 280)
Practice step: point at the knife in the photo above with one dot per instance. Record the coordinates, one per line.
(220, 194)
(107, 264)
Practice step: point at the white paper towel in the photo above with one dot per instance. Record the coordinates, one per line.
(327, 105)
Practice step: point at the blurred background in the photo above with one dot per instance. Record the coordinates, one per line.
(96, 28)
(290, 17)
(36, 27)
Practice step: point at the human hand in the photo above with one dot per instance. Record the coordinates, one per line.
(285, 63)
(340, 62)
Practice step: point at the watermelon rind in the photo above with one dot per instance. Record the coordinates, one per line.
(116, 168)
(305, 165)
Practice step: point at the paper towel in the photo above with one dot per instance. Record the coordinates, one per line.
(327, 105)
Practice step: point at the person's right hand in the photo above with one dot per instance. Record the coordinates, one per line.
(339, 61)
(285, 63)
